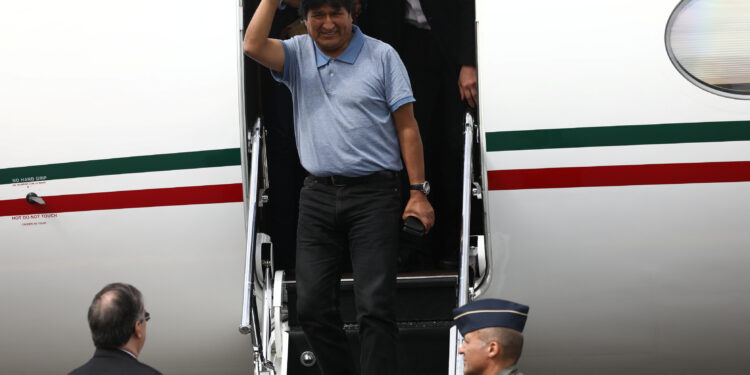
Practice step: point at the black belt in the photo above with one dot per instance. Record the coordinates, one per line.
(343, 180)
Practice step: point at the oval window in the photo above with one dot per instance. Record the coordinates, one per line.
(709, 43)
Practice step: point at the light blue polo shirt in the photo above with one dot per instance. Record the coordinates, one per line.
(343, 105)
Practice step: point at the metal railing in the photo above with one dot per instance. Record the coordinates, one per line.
(250, 323)
(456, 366)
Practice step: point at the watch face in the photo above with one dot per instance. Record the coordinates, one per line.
(423, 187)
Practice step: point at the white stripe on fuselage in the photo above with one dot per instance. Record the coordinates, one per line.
(619, 155)
(129, 181)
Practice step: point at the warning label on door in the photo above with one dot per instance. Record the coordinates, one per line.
(34, 219)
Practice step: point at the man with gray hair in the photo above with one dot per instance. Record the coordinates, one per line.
(492, 336)
(117, 320)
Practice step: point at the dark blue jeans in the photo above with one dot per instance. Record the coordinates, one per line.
(363, 218)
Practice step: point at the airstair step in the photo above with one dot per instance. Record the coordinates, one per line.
(419, 298)
(422, 348)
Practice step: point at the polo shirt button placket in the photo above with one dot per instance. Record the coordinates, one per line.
(330, 75)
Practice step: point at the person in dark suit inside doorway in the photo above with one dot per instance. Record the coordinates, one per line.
(438, 48)
(436, 40)
(117, 320)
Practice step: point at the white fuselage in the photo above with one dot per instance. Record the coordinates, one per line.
(126, 118)
(636, 264)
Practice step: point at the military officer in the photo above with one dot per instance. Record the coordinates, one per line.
(493, 339)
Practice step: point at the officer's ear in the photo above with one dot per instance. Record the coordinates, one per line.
(494, 350)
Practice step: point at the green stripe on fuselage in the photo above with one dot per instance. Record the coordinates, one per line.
(133, 164)
(619, 136)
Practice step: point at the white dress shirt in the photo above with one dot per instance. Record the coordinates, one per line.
(415, 16)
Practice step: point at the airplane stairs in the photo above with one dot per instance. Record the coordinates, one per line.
(426, 346)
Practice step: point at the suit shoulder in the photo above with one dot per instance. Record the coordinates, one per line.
(84, 369)
(111, 362)
(148, 370)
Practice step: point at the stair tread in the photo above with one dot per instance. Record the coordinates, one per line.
(421, 351)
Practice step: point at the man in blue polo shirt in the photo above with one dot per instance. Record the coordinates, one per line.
(354, 124)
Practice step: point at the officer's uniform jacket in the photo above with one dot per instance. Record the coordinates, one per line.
(512, 370)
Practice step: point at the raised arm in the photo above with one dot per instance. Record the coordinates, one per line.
(411, 152)
(266, 51)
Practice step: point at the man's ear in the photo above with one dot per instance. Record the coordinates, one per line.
(140, 329)
(494, 349)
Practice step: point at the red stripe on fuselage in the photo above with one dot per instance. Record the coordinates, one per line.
(126, 199)
(618, 175)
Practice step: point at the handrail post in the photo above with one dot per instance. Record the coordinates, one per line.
(463, 273)
(267, 307)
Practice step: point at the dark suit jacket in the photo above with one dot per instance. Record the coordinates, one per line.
(451, 21)
(113, 362)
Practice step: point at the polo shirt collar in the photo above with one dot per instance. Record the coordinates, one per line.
(350, 54)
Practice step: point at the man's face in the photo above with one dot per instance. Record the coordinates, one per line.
(330, 28)
(475, 354)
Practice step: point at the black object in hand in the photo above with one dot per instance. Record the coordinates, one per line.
(413, 226)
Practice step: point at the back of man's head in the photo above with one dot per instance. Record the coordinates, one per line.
(509, 339)
(307, 5)
(113, 314)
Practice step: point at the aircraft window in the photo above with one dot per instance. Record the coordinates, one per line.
(709, 43)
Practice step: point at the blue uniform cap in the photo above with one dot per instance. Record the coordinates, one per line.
(490, 313)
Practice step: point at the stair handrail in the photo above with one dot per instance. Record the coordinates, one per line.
(463, 278)
(249, 323)
(456, 366)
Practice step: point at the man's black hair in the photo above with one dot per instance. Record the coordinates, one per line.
(113, 314)
(307, 5)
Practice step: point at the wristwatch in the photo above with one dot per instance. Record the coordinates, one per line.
(423, 187)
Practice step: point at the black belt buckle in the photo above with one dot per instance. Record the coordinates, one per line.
(336, 180)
